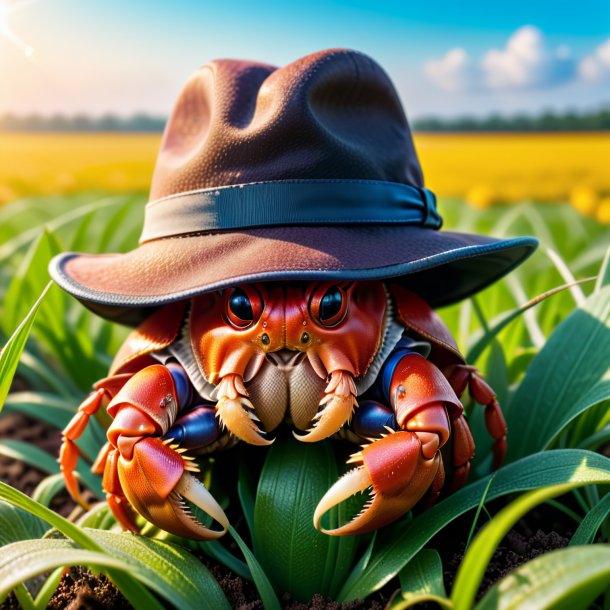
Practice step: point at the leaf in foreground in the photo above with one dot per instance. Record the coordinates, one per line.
(141, 550)
(476, 560)
(570, 578)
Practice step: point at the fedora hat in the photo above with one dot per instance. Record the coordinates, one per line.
(279, 174)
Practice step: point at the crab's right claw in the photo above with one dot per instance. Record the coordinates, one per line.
(399, 475)
(157, 483)
(236, 412)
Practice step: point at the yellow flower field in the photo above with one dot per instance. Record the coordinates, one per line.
(481, 168)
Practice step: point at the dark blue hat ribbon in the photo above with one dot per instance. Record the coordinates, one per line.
(290, 202)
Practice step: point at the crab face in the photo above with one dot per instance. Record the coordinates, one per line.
(334, 327)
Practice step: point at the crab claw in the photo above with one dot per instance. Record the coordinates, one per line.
(336, 408)
(236, 412)
(399, 475)
(156, 481)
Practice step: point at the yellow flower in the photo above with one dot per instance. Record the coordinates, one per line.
(584, 199)
(602, 214)
(480, 196)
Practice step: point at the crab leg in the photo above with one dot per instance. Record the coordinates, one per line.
(69, 453)
(461, 376)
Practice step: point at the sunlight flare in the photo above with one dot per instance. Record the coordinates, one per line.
(6, 9)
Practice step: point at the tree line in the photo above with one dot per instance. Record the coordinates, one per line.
(596, 120)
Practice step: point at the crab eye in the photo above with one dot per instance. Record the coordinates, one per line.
(329, 305)
(244, 306)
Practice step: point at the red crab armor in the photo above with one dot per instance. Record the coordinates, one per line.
(359, 360)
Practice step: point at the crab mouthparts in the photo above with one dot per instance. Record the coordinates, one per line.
(286, 359)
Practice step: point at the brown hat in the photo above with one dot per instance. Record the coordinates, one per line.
(295, 173)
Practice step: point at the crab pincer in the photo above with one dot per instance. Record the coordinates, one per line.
(402, 467)
(398, 474)
(147, 472)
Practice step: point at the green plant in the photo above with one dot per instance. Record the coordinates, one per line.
(546, 357)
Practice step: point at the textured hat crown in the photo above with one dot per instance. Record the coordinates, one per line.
(334, 114)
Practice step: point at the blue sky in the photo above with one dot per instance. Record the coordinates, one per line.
(446, 58)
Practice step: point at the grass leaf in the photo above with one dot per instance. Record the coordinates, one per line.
(505, 319)
(603, 279)
(297, 557)
(593, 520)
(474, 564)
(132, 589)
(569, 375)
(564, 579)
(263, 585)
(10, 354)
(422, 581)
(17, 524)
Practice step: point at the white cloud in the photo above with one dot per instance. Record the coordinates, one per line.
(596, 67)
(452, 72)
(526, 63)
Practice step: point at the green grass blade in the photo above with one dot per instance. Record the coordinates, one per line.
(478, 512)
(25, 599)
(569, 375)
(48, 488)
(14, 245)
(363, 562)
(48, 588)
(30, 454)
(26, 559)
(29, 281)
(565, 579)
(297, 557)
(475, 352)
(263, 585)
(9, 357)
(217, 551)
(246, 490)
(593, 520)
(548, 467)
(97, 517)
(603, 278)
(166, 568)
(17, 524)
(474, 564)
(133, 590)
(422, 581)
(41, 375)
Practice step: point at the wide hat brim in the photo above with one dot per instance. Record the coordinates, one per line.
(441, 266)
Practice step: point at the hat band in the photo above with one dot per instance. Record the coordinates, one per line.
(290, 202)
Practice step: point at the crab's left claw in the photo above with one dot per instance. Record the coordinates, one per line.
(399, 475)
(158, 485)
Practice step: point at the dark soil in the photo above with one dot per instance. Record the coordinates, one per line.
(543, 530)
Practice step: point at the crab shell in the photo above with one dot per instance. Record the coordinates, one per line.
(221, 349)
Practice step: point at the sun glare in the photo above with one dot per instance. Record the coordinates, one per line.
(6, 8)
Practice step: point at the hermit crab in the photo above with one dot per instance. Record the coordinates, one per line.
(363, 361)
(288, 273)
